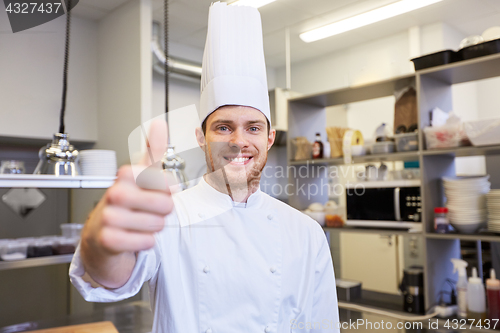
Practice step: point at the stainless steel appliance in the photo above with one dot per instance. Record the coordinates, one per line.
(385, 204)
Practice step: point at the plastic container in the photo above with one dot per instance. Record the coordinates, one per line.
(447, 136)
(384, 147)
(14, 250)
(406, 141)
(41, 248)
(412, 173)
(481, 49)
(436, 59)
(65, 245)
(476, 300)
(441, 222)
(483, 132)
(71, 230)
(493, 296)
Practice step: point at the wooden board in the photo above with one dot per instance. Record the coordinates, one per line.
(100, 327)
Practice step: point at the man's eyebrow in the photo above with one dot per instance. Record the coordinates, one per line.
(222, 121)
(256, 122)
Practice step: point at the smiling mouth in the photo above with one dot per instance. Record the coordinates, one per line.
(239, 160)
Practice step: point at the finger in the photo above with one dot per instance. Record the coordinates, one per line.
(119, 240)
(156, 141)
(128, 195)
(119, 217)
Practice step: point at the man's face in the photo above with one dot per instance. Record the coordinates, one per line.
(237, 140)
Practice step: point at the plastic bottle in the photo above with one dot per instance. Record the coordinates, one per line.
(493, 292)
(460, 266)
(476, 300)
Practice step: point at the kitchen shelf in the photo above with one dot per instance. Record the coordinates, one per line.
(485, 237)
(401, 156)
(465, 71)
(36, 262)
(49, 181)
(307, 116)
(465, 151)
(356, 93)
(399, 232)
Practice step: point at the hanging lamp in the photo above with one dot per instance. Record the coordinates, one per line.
(59, 157)
(170, 161)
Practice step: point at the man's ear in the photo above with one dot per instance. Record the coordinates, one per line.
(200, 138)
(271, 138)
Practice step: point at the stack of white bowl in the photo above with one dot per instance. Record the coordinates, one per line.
(466, 202)
(493, 204)
(98, 162)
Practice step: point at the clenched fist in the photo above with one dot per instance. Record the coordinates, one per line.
(127, 216)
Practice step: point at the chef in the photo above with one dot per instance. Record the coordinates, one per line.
(221, 256)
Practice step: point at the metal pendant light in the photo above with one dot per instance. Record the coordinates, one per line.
(171, 162)
(59, 157)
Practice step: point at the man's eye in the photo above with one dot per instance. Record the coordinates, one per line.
(222, 128)
(254, 129)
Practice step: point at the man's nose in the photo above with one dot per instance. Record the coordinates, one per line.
(238, 139)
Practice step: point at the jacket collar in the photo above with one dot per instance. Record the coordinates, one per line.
(223, 199)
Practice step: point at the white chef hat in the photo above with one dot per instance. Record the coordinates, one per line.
(234, 70)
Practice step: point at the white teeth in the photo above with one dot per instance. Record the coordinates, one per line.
(239, 159)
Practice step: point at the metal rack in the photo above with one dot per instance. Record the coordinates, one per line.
(307, 114)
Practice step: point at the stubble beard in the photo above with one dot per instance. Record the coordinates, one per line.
(229, 181)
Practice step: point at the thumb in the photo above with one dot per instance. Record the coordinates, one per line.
(156, 141)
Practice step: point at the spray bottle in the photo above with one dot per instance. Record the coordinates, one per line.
(460, 266)
(476, 298)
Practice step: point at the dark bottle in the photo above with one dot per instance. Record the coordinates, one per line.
(317, 147)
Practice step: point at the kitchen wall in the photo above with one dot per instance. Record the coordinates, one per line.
(31, 63)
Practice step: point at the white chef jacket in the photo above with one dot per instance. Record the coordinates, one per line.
(218, 266)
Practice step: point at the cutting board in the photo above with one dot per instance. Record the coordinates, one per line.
(100, 327)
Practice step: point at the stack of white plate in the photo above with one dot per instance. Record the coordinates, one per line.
(98, 162)
(466, 202)
(493, 204)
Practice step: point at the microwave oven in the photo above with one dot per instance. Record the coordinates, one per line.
(385, 204)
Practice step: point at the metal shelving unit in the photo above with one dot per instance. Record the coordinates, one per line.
(307, 116)
(36, 262)
(49, 181)
(464, 151)
(482, 236)
(400, 156)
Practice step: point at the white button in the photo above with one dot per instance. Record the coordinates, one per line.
(270, 216)
(206, 269)
(272, 269)
(408, 204)
(267, 329)
(208, 330)
(408, 198)
(201, 215)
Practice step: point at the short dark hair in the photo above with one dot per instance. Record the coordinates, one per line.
(204, 126)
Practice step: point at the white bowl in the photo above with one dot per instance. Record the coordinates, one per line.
(467, 228)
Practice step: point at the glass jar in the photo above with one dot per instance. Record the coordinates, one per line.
(441, 222)
(12, 167)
